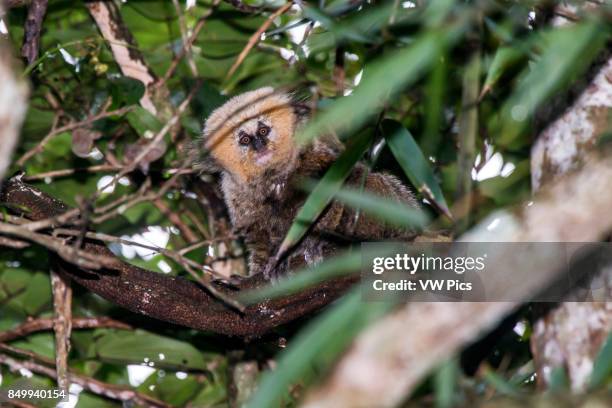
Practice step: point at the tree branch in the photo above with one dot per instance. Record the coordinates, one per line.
(402, 348)
(571, 335)
(175, 299)
(90, 384)
(62, 327)
(127, 55)
(13, 95)
(42, 324)
(33, 26)
(254, 39)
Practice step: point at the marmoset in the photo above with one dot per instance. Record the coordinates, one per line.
(250, 141)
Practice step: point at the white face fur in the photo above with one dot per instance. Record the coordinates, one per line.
(256, 135)
(252, 133)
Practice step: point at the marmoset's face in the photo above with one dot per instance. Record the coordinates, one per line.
(251, 133)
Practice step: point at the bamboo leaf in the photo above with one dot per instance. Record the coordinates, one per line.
(500, 384)
(340, 265)
(567, 53)
(382, 80)
(413, 162)
(445, 380)
(387, 210)
(504, 59)
(322, 195)
(317, 346)
(603, 364)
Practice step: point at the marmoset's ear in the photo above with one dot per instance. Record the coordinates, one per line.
(207, 164)
(302, 110)
(201, 159)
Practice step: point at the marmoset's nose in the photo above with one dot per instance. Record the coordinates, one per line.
(259, 142)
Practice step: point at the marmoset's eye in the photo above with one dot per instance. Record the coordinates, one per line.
(244, 139)
(263, 130)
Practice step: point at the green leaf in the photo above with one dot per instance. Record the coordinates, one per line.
(126, 90)
(170, 389)
(504, 58)
(340, 265)
(567, 53)
(37, 295)
(413, 162)
(39, 343)
(602, 367)
(558, 380)
(382, 80)
(445, 380)
(317, 346)
(322, 194)
(385, 209)
(142, 121)
(499, 383)
(434, 105)
(148, 348)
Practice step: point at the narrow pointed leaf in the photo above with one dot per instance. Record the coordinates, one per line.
(382, 80)
(567, 53)
(384, 209)
(344, 264)
(317, 346)
(413, 162)
(602, 367)
(321, 196)
(504, 59)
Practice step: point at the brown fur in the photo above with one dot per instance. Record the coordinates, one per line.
(263, 199)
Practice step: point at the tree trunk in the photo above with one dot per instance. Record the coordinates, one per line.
(571, 335)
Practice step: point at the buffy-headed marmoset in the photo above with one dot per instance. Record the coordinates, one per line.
(250, 140)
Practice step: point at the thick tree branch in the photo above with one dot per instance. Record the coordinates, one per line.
(62, 327)
(31, 32)
(390, 359)
(13, 95)
(174, 299)
(127, 55)
(571, 335)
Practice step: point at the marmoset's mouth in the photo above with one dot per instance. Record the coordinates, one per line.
(263, 156)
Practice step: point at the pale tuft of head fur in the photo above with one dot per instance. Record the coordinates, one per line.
(243, 112)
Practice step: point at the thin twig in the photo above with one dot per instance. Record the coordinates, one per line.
(68, 253)
(90, 384)
(101, 168)
(156, 140)
(175, 219)
(13, 243)
(187, 44)
(27, 354)
(187, 264)
(245, 8)
(43, 324)
(40, 146)
(139, 197)
(55, 221)
(124, 198)
(256, 37)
